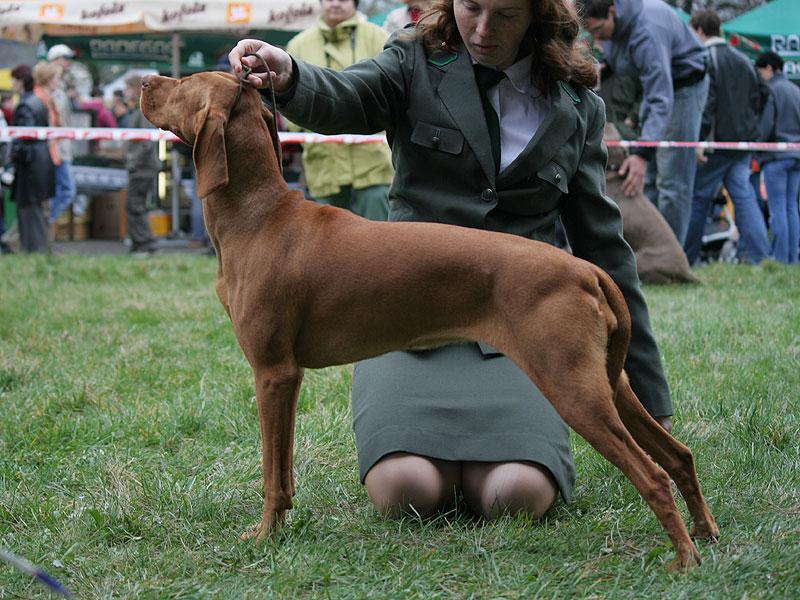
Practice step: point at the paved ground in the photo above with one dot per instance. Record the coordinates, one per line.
(93, 247)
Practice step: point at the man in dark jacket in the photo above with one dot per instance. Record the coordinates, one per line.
(143, 165)
(780, 122)
(731, 114)
(646, 39)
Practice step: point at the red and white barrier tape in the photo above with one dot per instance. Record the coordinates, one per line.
(155, 135)
(744, 146)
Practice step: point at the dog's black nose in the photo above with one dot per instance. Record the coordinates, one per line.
(146, 81)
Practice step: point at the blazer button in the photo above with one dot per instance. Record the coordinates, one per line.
(557, 178)
(488, 195)
(436, 140)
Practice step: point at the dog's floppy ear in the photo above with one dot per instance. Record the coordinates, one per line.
(210, 157)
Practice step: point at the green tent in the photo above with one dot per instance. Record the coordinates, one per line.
(200, 51)
(773, 26)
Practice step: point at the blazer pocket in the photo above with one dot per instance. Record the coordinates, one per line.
(438, 138)
(555, 175)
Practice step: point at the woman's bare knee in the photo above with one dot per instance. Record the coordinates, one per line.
(493, 489)
(407, 483)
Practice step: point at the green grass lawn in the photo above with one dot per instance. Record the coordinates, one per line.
(130, 459)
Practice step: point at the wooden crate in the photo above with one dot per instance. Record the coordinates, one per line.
(70, 227)
(109, 221)
(81, 228)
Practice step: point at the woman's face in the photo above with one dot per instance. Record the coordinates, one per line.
(492, 30)
(336, 11)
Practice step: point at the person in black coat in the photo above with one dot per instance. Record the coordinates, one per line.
(735, 100)
(780, 122)
(34, 180)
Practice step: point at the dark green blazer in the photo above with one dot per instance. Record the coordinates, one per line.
(430, 108)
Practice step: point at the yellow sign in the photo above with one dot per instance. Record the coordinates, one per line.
(240, 13)
(52, 12)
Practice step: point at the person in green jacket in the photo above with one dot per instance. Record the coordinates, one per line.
(512, 155)
(352, 176)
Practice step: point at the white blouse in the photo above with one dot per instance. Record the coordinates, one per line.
(521, 108)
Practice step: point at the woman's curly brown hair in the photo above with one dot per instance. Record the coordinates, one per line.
(553, 36)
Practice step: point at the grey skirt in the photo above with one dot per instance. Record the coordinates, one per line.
(458, 403)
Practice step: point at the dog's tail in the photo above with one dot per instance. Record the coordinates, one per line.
(619, 327)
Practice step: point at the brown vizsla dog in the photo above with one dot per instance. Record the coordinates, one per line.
(311, 286)
(659, 256)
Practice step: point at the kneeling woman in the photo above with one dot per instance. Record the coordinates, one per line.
(491, 121)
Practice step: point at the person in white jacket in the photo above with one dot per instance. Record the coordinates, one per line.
(403, 15)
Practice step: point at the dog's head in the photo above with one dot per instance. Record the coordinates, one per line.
(198, 109)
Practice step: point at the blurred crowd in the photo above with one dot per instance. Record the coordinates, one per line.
(39, 173)
(660, 77)
(667, 80)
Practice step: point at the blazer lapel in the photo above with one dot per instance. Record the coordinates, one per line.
(459, 93)
(557, 127)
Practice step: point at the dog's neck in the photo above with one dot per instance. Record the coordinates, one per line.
(256, 187)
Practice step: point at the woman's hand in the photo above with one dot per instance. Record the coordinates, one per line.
(280, 64)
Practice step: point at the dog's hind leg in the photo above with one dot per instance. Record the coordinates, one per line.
(277, 388)
(675, 458)
(572, 375)
(590, 412)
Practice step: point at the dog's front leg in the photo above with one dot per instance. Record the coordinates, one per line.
(277, 388)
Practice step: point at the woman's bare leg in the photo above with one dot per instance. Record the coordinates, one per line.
(494, 488)
(402, 483)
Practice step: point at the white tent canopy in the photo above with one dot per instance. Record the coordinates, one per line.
(157, 15)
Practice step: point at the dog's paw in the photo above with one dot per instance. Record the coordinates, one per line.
(688, 558)
(253, 533)
(265, 528)
(708, 532)
(258, 533)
